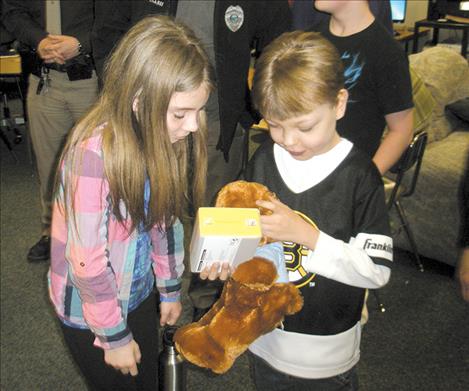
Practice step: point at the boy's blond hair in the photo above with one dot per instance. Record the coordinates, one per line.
(297, 72)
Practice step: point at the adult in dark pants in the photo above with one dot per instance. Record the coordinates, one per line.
(229, 31)
(62, 86)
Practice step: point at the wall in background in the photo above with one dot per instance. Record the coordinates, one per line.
(416, 10)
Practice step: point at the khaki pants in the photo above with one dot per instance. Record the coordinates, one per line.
(220, 172)
(51, 116)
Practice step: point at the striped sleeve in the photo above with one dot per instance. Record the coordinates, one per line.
(87, 255)
(168, 257)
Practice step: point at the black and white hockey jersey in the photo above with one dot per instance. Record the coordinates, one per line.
(341, 192)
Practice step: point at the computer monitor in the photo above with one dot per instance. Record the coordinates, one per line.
(398, 9)
(457, 8)
(439, 9)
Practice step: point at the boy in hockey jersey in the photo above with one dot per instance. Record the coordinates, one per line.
(330, 216)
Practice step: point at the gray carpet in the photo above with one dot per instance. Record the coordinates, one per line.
(421, 342)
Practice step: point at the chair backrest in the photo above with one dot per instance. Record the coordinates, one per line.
(412, 157)
(10, 63)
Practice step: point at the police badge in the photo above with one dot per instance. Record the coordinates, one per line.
(234, 17)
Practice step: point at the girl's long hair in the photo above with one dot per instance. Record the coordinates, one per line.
(156, 58)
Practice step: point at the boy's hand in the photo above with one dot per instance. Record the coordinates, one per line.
(286, 225)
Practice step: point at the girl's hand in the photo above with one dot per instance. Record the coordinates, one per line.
(213, 273)
(170, 311)
(124, 358)
(286, 225)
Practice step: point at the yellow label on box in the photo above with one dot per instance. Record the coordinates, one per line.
(224, 235)
(229, 221)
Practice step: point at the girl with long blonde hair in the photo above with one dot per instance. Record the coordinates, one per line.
(123, 185)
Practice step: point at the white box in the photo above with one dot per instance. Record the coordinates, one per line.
(224, 235)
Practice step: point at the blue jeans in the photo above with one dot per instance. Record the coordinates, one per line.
(266, 377)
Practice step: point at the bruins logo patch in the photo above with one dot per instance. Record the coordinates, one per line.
(294, 255)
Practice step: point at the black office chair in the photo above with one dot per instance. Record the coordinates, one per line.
(396, 191)
(10, 74)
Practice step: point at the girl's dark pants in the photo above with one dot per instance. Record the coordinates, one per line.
(143, 322)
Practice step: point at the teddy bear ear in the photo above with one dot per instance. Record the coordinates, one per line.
(230, 193)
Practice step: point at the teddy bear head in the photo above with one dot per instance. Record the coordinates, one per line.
(260, 274)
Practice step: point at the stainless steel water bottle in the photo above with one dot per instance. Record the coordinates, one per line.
(171, 367)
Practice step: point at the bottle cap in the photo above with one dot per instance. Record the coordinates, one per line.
(168, 334)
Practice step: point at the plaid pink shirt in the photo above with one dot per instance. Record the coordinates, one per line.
(92, 264)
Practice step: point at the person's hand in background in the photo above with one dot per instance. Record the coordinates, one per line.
(58, 48)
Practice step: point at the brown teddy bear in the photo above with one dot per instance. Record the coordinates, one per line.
(251, 304)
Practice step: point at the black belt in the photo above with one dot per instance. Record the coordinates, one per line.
(56, 67)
